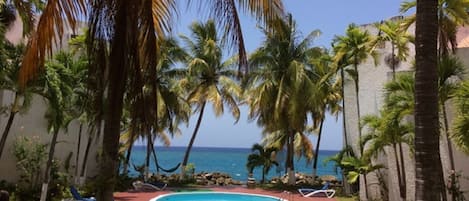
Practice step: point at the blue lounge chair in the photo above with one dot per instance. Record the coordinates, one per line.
(76, 195)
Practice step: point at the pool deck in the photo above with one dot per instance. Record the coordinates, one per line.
(144, 196)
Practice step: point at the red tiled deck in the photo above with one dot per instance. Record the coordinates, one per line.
(145, 196)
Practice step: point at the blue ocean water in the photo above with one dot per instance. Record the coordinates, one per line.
(227, 160)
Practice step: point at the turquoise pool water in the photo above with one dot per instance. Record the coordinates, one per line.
(214, 196)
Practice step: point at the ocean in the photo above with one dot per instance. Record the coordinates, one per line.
(227, 160)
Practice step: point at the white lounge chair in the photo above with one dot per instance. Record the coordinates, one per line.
(140, 186)
(310, 192)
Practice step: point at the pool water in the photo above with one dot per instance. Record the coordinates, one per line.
(214, 196)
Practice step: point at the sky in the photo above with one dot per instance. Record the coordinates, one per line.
(331, 17)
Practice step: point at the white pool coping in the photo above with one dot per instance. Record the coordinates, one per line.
(218, 192)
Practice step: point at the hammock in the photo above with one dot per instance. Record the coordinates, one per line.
(168, 170)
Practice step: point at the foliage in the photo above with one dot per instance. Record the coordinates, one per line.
(454, 186)
(261, 156)
(30, 155)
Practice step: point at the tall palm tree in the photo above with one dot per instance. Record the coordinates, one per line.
(329, 91)
(281, 92)
(450, 71)
(261, 157)
(123, 37)
(451, 15)
(387, 130)
(351, 50)
(209, 79)
(58, 89)
(428, 176)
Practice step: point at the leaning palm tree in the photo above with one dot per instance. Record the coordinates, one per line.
(281, 92)
(261, 157)
(429, 173)
(123, 38)
(329, 91)
(209, 78)
(351, 50)
(9, 81)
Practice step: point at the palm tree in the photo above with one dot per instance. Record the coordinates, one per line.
(329, 92)
(392, 32)
(460, 130)
(387, 130)
(58, 84)
(209, 79)
(280, 94)
(122, 38)
(8, 81)
(353, 49)
(261, 157)
(428, 176)
(451, 15)
(449, 69)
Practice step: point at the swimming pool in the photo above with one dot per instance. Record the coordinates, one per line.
(215, 196)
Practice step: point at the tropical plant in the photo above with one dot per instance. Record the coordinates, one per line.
(128, 46)
(429, 174)
(281, 92)
(451, 15)
(359, 166)
(322, 67)
(391, 31)
(385, 130)
(58, 83)
(460, 132)
(261, 157)
(209, 78)
(351, 50)
(450, 72)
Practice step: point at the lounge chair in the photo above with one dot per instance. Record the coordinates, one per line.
(76, 195)
(309, 192)
(140, 186)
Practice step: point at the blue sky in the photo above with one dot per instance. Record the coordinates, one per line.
(331, 17)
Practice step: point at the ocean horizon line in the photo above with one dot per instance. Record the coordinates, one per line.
(213, 147)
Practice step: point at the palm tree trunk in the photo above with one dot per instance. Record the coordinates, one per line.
(344, 122)
(357, 99)
(147, 158)
(6, 131)
(127, 156)
(290, 154)
(427, 151)
(404, 178)
(366, 186)
(347, 187)
(85, 157)
(153, 151)
(77, 157)
(191, 142)
(448, 138)
(47, 173)
(115, 93)
(399, 173)
(316, 156)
